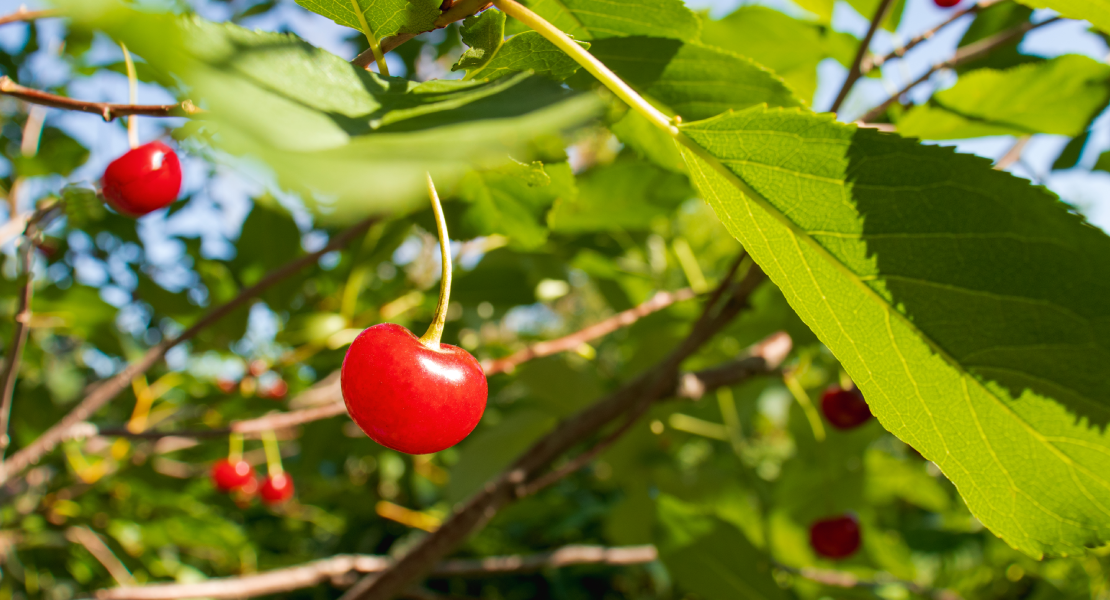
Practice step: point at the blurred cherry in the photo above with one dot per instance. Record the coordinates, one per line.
(946, 3)
(845, 409)
(275, 391)
(143, 180)
(835, 538)
(257, 367)
(226, 386)
(277, 489)
(228, 475)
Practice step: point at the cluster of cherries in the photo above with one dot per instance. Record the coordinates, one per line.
(237, 477)
(839, 537)
(252, 384)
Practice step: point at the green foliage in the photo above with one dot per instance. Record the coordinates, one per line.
(930, 346)
(384, 17)
(1058, 96)
(586, 20)
(491, 56)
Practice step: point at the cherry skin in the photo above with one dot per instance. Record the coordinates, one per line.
(276, 489)
(845, 409)
(835, 538)
(946, 3)
(409, 397)
(143, 180)
(230, 476)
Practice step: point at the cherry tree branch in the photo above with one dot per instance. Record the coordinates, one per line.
(457, 12)
(871, 62)
(107, 110)
(626, 318)
(652, 385)
(102, 553)
(22, 14)
(337, 570)
(966, 54)
(1013, 154)
(108, 390)
(854, 71)
(19, 339)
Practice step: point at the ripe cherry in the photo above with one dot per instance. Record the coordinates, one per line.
(275, 391)
(845, 409)
(228, 475)
(276, 489)
(835, 538)
(946, 3)
(143, 180)
(414, 395)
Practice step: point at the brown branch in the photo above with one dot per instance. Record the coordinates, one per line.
(501, 491)
(457, 12)
(19, 339)
(966, 54)
(22, 14)
(270, 422)
(338, 569)
(107, 110)
(35, 224)
(626, 318)
(847, 580)
(854, 71)
(1013, 154)
(870, 62)
(108, 390)
(102, 553)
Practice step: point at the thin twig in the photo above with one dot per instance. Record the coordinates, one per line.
(102, 553)
(338, 569)
(501, 491)
(871, 62)
(457, 12)
(108, 390)
(847, 580)
(1013, 154)
(19, 339)
(107, 110)
(22, 14)
(854, 70)
(626, 318)
(966, 54)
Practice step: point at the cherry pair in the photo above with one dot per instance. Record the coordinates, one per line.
(238, 476)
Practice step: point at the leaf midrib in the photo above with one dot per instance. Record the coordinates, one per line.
(797, 232)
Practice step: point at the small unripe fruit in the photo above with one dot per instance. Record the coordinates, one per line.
(143, 180)
(836, 538)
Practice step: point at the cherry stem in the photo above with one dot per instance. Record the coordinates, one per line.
(273, 453)
(235, 448)
(435, 330)
(133, 97)
(375, 47)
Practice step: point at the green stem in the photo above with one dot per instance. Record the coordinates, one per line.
(375, 47)
(235, 448)
(435, 330)
(273, 453)
(594, 66)
(804, 401)
(133, 97)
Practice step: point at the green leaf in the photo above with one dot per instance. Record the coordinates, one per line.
(529, 51)
(1103, 162)
(790, 47)
(693, 80)
(385, 17)
(627, 194)
(513, 199)
(1095, 11)
(350, 141)
(484, 34)
(993, 20)
(1058, 96)
(711, 558)
(968, 305)
(1069, 156)
(57, 154)
(590, 19)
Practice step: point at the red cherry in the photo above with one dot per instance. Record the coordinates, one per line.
(835, 538)
(276, 489)
(143, 180)
(230, 476)
(275, 391)
(226, 386)
(845, 409)
(946, 3)
(245, 495)
(409, 397)
(257, 367)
